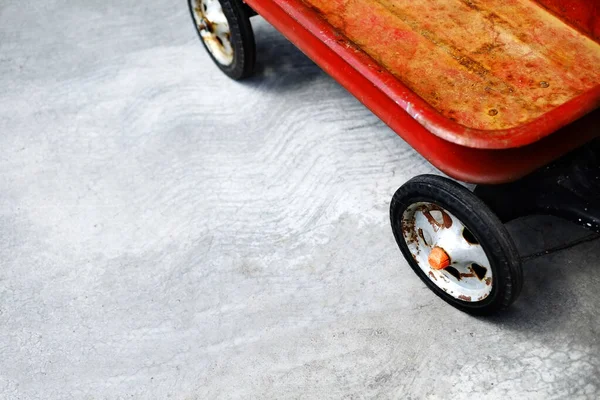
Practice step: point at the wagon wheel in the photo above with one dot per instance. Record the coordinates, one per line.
(456, 245)
(225, 30)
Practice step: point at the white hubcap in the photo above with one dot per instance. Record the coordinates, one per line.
(214, 29)
(468, 277)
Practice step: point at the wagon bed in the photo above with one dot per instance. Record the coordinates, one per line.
(479, 88)
(488, 65)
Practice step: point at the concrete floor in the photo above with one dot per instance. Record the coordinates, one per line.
(168, 233)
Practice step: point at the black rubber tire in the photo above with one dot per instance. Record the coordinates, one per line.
(242, 39)
(483, 224)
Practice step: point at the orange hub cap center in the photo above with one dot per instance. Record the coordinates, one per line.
(438, 258)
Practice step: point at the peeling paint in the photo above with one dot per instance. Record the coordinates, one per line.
(484, 64)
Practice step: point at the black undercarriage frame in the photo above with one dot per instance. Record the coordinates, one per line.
(568, 188)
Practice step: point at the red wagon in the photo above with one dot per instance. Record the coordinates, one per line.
(489, 91)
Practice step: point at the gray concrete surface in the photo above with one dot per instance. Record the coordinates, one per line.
(168, 233)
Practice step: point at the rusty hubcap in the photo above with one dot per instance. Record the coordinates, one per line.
(214, 29)
(447, 252)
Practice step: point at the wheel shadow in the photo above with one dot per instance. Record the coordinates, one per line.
(280, 65)
(559, 286)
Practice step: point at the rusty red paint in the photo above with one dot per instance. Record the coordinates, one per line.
(470, 155)
(584, 15)
(478, 62)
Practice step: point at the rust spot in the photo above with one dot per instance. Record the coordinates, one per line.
(446, 219)
(493, 112)
(544, 84)
(429, 217)
(432, 276)
(488, 281)
(209, 25)
(470, 4)
(408, 231)
(469, 275)
(472, 65)
(486, 48)
(465, 298)
(431, 220)
(408, 228)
